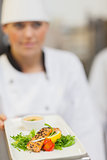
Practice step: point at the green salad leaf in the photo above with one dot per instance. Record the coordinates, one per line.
(20, 141)
(64, 141)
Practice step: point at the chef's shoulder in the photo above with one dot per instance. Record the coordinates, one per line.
(101, 58)
(62, 58)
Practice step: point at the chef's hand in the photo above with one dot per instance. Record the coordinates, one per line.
(2, 119)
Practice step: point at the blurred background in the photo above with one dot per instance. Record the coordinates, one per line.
(79, 26)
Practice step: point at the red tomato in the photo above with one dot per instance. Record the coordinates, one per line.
(46, 140)
(48, 146)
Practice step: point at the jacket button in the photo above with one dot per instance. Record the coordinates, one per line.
(11, 81)
(47, 108)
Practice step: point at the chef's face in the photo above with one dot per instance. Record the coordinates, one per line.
(26, 38)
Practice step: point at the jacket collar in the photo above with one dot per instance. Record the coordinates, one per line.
(15, 64)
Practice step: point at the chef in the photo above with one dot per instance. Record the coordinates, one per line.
(38, 80)
(98, 83)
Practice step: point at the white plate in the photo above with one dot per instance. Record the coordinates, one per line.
(14, 126)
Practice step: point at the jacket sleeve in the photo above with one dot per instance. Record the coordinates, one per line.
(81, 113)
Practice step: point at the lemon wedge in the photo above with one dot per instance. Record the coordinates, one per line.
(55, 137)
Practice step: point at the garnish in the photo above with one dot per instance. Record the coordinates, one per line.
(31, 120)
(53, 132)
(55, 136)
(64, 141)
(20, 141)
(48, 145)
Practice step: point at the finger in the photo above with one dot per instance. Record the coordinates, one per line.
(1, 124)
(3, 117)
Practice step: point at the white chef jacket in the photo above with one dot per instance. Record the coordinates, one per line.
(98, 83)
(63, 89)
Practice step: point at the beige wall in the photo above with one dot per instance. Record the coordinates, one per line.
(75, 12)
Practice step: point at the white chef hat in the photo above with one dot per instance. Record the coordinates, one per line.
(23, 10)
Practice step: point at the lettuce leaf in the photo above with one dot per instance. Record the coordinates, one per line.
(64, 141)
(20, 141)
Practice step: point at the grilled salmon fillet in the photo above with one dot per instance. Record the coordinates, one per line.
(36, 146)
(56, 129)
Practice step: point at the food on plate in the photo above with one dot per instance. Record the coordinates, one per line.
(64, 141)
(55, 136)
(46, 139)
(20, 141)
(48, 145)
(36, 146)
